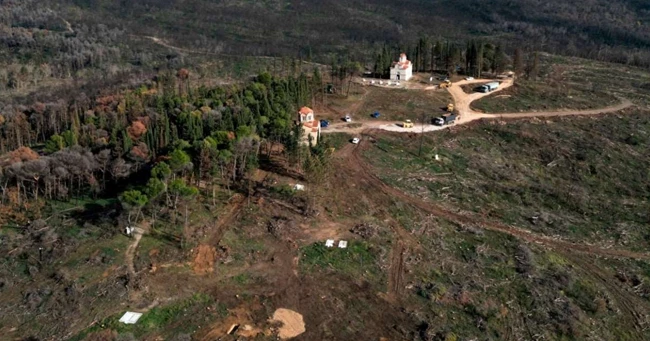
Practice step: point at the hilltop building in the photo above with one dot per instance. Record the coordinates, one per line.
(310, 126)
(401, 70)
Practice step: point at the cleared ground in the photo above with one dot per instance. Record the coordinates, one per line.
(527, 96)
(393, 104)
(570, 84)
(580, 178)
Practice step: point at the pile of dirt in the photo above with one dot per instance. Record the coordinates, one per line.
(292, 323)
(204, 259)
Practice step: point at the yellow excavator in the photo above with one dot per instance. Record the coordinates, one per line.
(450, 107)
(407, 124)
(445, 84)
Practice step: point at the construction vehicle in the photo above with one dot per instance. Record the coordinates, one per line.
(407, 124)
(447, 83)
(445, 119)
(450, 107)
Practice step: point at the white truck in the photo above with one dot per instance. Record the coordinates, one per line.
(489, 87)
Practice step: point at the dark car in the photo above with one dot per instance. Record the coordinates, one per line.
(375, 114)
(324, 123)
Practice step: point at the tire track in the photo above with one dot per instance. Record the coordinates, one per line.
(627, 302)
(396, 275)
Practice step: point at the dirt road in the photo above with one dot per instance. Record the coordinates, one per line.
(462, 104)
(137, 234)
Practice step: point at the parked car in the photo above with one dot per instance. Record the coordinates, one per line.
(324, 123)
(356, 140)
(375, 114)
(348, 118)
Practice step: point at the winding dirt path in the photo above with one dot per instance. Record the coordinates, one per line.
(164, 43)
(625, 103)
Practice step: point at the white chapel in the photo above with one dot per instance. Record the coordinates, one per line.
(401, 70)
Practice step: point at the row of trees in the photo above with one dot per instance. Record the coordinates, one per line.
(473, 59)
(427, 56)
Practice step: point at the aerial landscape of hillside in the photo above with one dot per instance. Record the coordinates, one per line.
(324, 170)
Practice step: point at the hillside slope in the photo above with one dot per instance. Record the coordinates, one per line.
(591, 28)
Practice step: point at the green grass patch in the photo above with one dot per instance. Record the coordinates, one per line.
(335, 140)
(358, 259)
(241, 246)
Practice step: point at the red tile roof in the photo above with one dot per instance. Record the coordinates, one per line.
(306, 110)
(405, 65)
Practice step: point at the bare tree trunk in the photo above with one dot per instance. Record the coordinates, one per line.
(4, 191)
(186, 218)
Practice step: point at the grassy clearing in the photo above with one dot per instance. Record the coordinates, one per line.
(240, 245)
(581, 178)
(336, 140)
(393, 104)
(359, 259)
(401, 104)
